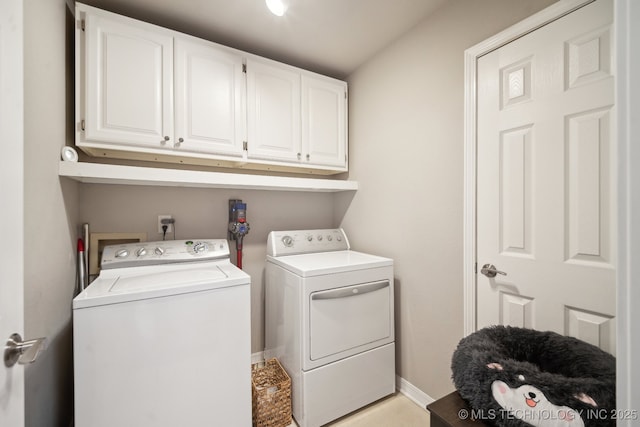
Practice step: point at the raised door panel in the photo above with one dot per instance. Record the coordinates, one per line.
(324, 124)
(273, 112)
(128, 82)
(209, 91)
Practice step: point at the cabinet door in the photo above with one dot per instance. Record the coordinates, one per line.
(324, 121)
(209, 91)
(273, 108)
(129, 79)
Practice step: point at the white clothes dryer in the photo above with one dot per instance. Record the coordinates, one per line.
(162, 338)
(329, 319)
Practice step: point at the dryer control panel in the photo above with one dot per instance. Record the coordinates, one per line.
(281, 243)
(163, 252)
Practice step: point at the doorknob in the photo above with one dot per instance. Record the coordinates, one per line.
(23, 352)
(490, 270)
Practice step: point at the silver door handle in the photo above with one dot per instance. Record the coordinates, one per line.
(490, 270)
(23, 352)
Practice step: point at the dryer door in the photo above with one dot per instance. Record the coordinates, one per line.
(350, 319)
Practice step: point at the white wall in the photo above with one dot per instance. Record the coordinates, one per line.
(50, 210)
(406, 151)
(204, 213)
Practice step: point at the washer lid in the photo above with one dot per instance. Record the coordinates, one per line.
(316, 264)
(159, 281)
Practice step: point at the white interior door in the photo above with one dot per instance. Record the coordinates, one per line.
(546, 179)
(11, 194)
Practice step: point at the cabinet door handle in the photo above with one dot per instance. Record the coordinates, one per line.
(299, 156)
(308, 157)
(164, 141)
(180, 141)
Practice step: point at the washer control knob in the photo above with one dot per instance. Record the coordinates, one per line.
(287, 241)
(122, 253)
(199, 247)
(309, 237)
(158, 250)
(320, 237)
(329, 238)
(339, 238)
(141, 252)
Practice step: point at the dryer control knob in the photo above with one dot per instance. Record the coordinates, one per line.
(141, 252)
(158, 250)
(287, 241)
(122, 253)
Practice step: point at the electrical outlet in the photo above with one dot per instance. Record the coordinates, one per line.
(169, 226)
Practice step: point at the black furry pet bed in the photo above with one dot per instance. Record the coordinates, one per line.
(519, 377)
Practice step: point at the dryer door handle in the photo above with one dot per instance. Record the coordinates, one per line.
(350, 291)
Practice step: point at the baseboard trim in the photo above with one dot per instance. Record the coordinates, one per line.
(257, 357)
(413, 393)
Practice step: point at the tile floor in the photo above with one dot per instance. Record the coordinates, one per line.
(393, 411)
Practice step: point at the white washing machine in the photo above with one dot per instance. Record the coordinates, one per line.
(329, 320)
(162, 338)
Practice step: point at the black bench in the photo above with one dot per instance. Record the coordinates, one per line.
(451, 410)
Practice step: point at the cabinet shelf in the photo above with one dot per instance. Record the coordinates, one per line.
(99, 173)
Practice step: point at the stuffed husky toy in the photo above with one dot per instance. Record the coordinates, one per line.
(520, 377)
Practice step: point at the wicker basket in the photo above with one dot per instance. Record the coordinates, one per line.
(271, 395)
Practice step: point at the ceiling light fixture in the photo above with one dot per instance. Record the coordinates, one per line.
(277, 7)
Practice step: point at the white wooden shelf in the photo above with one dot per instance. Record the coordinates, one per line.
(99, 173)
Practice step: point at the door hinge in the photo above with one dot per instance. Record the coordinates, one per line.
(475, 268)
(244, 145)
(82, 23)
(244, 68)
(82, 124)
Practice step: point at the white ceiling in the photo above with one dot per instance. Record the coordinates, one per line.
(331, 37)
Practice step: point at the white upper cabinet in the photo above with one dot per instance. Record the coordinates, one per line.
(129, 73)
(145, 92)
(324, 121)
(134, 98)
(209, 88)
(273, 112)
(295, 116)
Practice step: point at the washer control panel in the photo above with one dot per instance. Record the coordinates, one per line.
(280, 243)
(163, 252)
